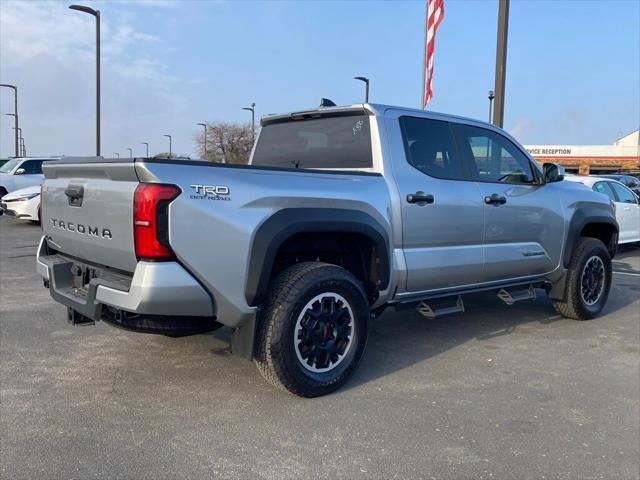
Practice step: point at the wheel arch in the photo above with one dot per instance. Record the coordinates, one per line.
(593, 221)
(291, 223)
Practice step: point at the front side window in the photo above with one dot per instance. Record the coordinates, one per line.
(430, 148)
(492, 157)
(603, 187)
(624, 194)
(326, 142)
(32, 167)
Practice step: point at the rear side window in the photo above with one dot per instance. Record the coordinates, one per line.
(492, 157)
(32, 167)
(603, 187)
(430, 147)
(328, 142)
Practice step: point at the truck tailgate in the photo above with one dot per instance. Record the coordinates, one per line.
(87, 211)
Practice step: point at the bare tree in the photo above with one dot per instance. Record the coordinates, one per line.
(163, 155)
(173, 155)
(227, 142)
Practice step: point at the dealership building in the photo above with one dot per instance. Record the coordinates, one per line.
(621, 157)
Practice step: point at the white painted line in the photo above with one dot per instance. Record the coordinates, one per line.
(627, 273)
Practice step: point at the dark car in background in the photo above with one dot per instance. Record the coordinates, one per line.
(632, 182)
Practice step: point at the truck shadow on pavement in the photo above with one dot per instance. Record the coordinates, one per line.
(622, 261)
(398, 340)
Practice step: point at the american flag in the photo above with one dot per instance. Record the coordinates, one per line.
(435, 14)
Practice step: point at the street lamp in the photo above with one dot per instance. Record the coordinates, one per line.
(491, 97)
(15, 110)
(205, 138)
(252, 109)
(17, 135)
(366, 88)
(117, 154)
(95, 13)
(20, 141)
(130, 152)
(169, 136)
(147, 145)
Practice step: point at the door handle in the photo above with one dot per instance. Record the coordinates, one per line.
(495, 199)
(420, 198)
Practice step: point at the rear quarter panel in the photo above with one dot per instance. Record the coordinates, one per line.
(213, 236)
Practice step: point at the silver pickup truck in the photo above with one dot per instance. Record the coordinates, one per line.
(342, 212)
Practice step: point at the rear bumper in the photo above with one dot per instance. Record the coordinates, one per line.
(154, 288)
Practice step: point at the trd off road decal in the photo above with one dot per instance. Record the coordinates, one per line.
(210, 192)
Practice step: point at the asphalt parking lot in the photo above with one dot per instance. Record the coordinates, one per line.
(500, 392)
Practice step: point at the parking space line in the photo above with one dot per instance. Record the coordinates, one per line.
(627, 273)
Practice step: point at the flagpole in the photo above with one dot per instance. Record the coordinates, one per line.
(424, 55)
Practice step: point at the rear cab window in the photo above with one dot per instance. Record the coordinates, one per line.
(329, 142)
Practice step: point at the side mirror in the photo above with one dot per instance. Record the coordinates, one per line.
(552, 172)
(19, 171)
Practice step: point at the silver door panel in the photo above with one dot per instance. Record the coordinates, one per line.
(524, 236)
(441, 267)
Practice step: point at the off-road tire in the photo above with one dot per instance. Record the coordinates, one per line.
(276, 352)
(573, 305)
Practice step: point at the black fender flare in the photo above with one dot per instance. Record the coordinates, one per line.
(582, 217)
(274, 231)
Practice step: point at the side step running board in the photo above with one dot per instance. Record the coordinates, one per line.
(427, 311)
(513, 296)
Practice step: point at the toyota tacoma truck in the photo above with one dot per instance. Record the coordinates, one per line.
(340, 213)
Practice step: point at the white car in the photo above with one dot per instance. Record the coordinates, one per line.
(626, 202)
(23, 204)
(19, 173)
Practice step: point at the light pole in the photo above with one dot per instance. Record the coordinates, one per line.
(366, 88)
(205, 138)
(169, 136)
(15, 111)
(252, 109)
(20, 140)
(117, 155)
(130, 152)
(147, 145)
(491, 97)
(95, 13)
(501, 61)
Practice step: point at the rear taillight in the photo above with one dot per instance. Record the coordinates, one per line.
(151, 218)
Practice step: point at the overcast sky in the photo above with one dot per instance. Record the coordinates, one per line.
(573, 70)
